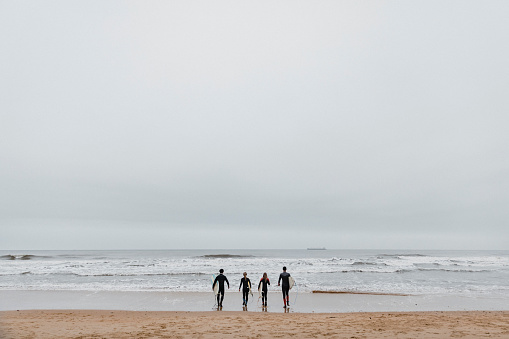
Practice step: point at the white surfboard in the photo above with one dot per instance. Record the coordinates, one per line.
(216, 286)
(260, 290)
(291, 281)
(250, 289)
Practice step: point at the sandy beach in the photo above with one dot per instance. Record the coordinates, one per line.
(128, 324)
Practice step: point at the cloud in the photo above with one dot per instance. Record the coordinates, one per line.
(328, 121)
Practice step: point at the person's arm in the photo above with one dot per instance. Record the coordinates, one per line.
(214, 283)
(268, 281)
(279, 281)
(259, 283)
(241, 282)
(227, 282)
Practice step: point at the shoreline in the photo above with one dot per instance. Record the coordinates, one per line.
(238, 324)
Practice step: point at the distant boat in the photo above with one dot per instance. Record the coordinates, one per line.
(316, 248)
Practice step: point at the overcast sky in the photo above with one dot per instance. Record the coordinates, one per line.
(254, 124)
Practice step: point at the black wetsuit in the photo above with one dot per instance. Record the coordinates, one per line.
(265, 289)
(285, 286)
(245, 291)
(220, 279)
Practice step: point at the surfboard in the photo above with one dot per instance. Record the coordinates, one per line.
(260, 290)
(291, 281)
(250, 289)
(216, 286)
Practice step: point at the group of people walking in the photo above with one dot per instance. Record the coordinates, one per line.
(246, 287)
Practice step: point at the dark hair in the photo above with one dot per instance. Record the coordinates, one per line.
(284, 268)
(221, 270)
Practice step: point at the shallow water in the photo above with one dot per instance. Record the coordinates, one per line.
(433, 273)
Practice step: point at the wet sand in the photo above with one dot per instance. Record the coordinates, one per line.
(234, 324)
(201, 301)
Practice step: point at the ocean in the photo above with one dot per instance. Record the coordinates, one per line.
(438, 273)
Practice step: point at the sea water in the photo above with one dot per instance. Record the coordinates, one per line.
(449, 273)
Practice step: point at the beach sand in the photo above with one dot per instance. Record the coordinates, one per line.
(228, 324)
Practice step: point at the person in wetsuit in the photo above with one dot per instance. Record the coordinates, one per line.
(264, 282)
(286, 286)
(245, 291)
(220, 279)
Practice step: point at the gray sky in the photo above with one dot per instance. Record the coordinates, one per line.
(254, 124)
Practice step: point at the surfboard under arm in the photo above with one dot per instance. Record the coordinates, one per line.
(216, 286)
(291, 281)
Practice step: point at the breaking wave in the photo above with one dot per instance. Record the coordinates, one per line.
(402, 255)
(20, 256)
(223, 256)
(365, 263)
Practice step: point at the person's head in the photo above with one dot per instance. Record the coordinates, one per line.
(284, 268)
(245, 274)
(264, 275)
(221, 271)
